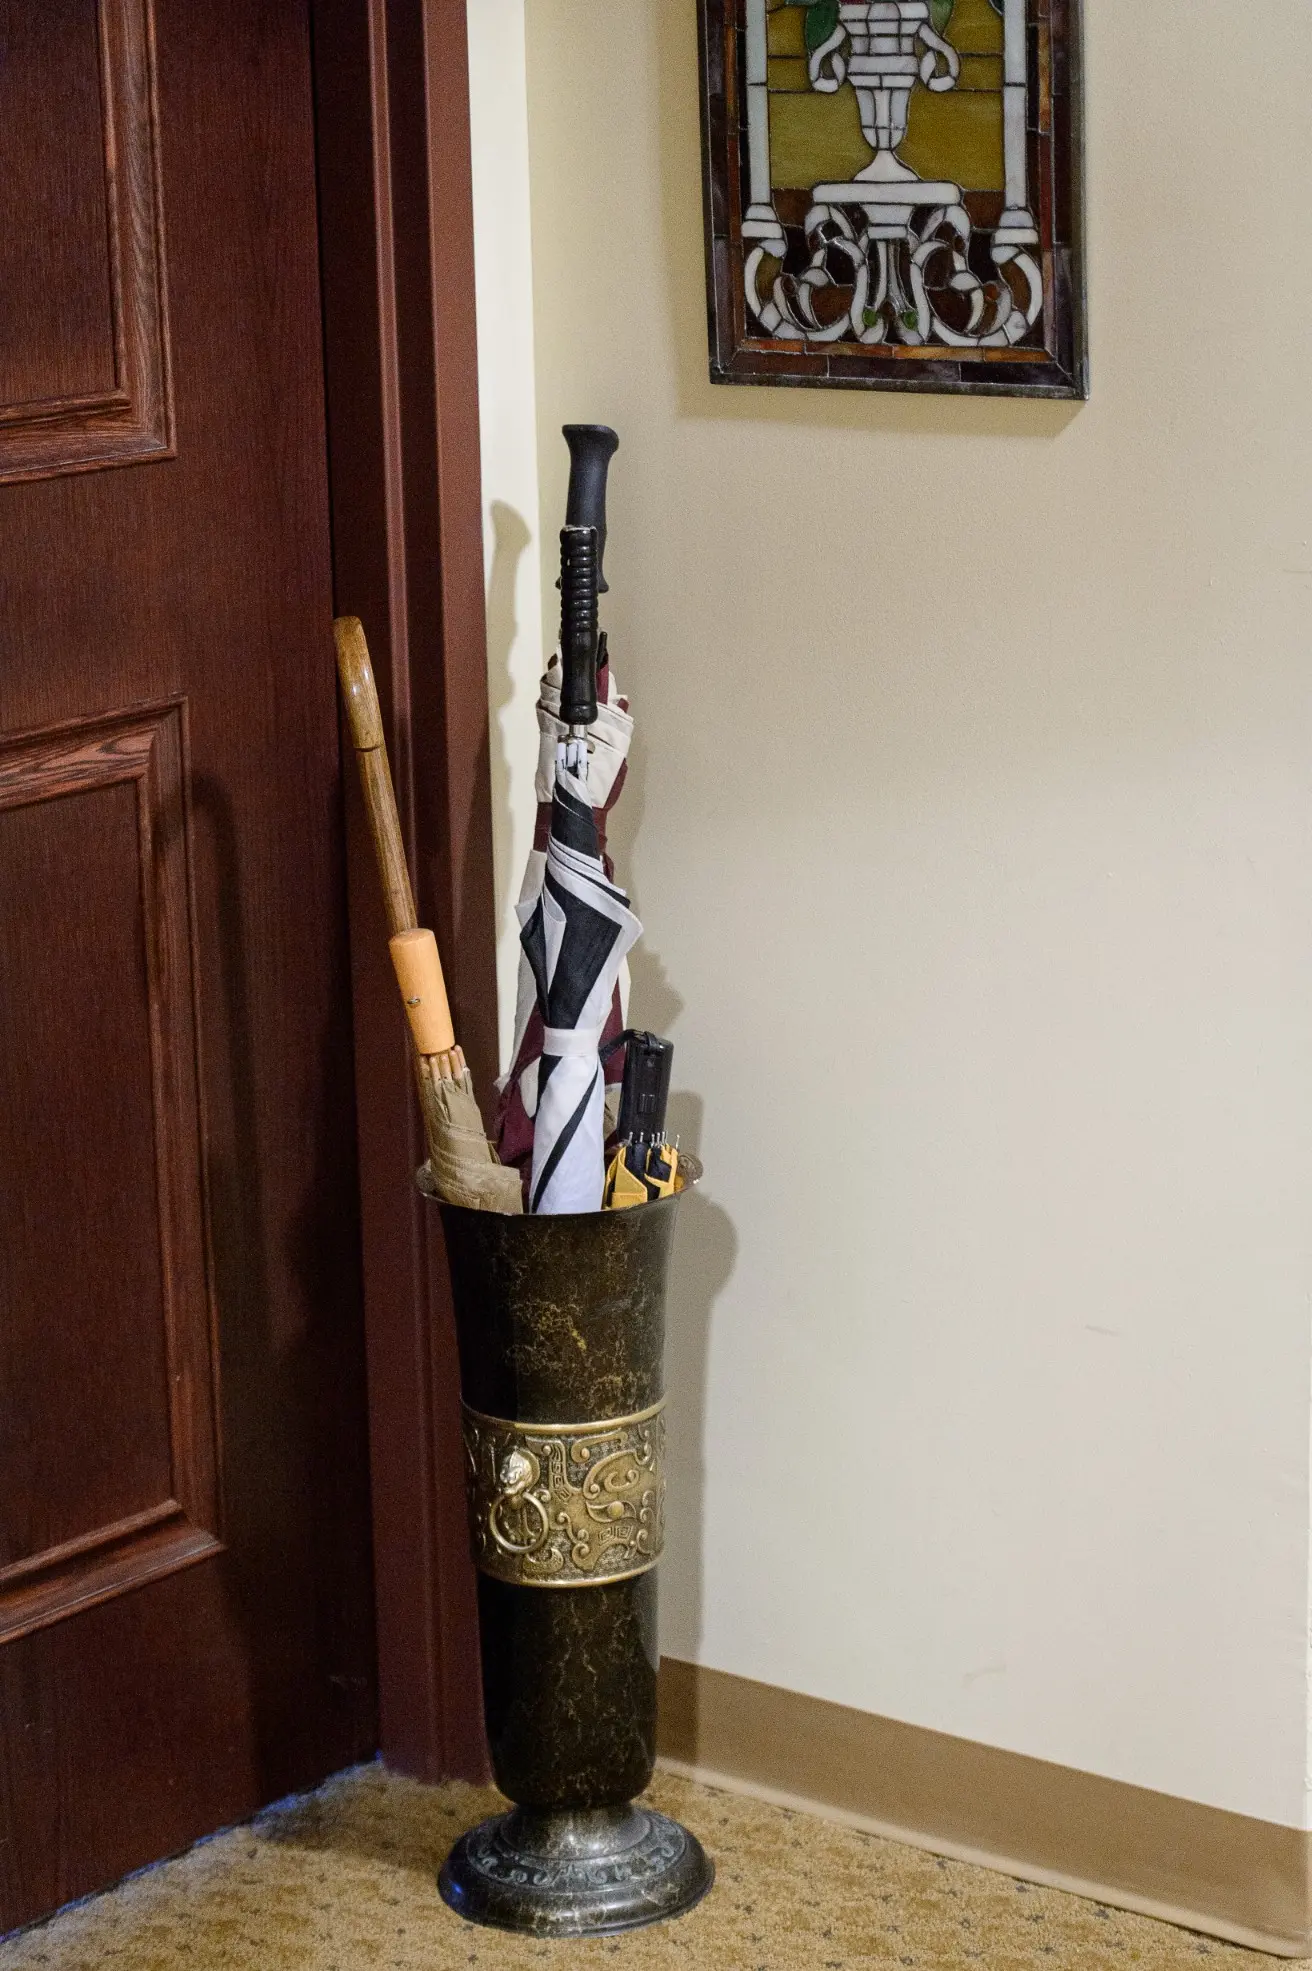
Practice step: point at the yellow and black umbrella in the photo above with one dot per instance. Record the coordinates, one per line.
(645, 1166)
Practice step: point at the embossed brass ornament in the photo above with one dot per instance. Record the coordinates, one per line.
(566, 1505)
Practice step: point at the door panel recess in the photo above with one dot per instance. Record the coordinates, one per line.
(84, 360)
(108, 1467)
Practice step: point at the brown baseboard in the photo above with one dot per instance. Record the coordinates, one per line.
(1248, 1881)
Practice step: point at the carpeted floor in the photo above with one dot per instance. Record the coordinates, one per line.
(344, 1881)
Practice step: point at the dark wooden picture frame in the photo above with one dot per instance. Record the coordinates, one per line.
(909, 288)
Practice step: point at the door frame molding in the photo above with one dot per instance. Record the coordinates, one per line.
(401, 369)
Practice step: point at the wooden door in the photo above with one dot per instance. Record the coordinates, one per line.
(186, 1616)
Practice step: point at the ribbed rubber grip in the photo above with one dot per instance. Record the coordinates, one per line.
(579, 568)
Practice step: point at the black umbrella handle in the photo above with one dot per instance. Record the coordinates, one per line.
(645, 1093)
(591, 449)
(579, 569)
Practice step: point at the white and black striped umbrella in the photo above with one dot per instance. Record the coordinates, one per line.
(608, 749)
(575, 933)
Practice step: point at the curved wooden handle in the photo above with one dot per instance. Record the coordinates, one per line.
(358, 687)
(366, 721)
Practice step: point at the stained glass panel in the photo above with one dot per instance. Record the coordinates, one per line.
(893, 194)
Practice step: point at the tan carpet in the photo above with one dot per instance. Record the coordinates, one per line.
(344, 1881)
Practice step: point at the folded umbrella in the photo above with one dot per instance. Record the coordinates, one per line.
(592, 446)
(610, 738)
(463, 1163)
(577, 931)
(645, 1165)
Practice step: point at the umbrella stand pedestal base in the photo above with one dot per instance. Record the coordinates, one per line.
(560, 1322)
(581, 1873)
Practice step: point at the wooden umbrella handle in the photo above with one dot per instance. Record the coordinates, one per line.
(366, 721)
(414, 952)
(419, 975)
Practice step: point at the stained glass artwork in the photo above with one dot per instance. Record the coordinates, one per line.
(893, 194)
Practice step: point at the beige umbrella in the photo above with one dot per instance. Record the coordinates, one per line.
(463, 1163)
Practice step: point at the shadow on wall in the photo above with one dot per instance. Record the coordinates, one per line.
(678, 83)
(511, 539)
(705, 1245)
(705, 1249)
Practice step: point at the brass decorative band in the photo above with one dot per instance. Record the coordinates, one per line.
(566, 1505)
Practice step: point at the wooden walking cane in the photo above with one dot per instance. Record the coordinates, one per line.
(462, 1161)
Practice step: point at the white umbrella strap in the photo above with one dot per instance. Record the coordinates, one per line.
(566, 1041)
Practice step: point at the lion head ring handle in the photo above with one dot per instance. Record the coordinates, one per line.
(518, 1474)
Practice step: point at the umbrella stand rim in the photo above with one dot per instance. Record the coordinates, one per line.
(690, 1172)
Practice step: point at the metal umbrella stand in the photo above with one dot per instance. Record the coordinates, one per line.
(561, 1326)
(560, 1316)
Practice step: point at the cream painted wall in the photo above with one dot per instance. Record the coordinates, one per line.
(970, 827)
(503, 274)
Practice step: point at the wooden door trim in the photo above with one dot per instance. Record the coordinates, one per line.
(396, 218)
(113, 1560)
